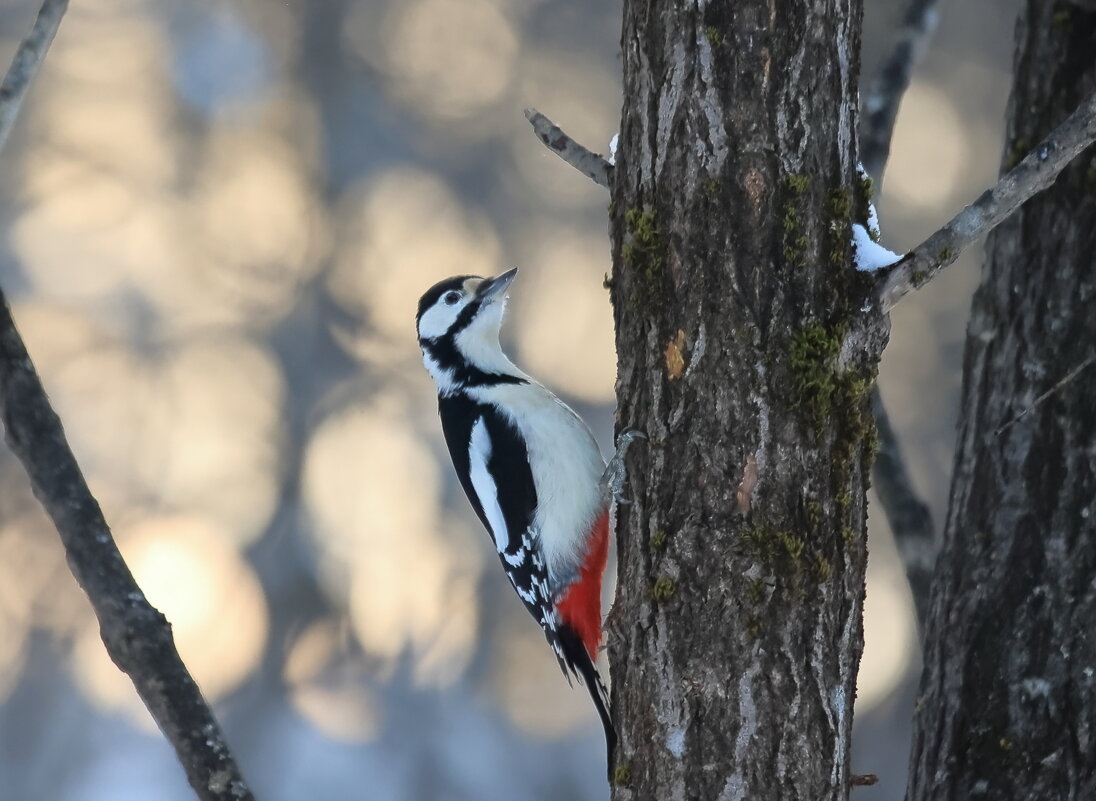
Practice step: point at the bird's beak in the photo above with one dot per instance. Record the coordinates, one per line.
(496, 287)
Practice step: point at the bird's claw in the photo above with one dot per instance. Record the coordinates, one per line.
(612, 480)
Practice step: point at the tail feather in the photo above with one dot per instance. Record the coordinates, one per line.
(579, 661)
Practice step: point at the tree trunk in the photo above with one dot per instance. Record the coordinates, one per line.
(746, 352)
(1008, 697)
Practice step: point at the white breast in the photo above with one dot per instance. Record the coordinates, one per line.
(566, 465)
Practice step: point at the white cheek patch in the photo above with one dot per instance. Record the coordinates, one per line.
(438, 319)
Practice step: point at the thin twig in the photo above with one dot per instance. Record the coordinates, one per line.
(26, 62)
(909, 517)
(1076, 371)
(886, 91)
(1035, 173)
(137, 637)
(590, 164)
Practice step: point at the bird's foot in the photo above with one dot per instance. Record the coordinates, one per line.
(612, 480)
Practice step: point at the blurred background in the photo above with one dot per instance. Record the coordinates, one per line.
(216, 219)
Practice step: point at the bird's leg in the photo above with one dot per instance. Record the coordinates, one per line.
(612, 480)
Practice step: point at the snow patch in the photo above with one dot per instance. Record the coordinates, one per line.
(870, 255)
(613, 148)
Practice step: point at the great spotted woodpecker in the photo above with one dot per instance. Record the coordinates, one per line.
(530, 468)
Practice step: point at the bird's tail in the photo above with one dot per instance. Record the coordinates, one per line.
(581, 663)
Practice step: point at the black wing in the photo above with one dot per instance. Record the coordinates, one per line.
(507, 466)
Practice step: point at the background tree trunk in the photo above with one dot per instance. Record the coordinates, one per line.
(1008, 697)
(746, 353)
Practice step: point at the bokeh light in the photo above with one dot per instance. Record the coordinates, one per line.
(210, 595)
(890, 633)
(327, 686)
(199, 426)
(405, 230)
(444, 58)
(408, 576)
(578, 358)
(929, 149)
(530, 689)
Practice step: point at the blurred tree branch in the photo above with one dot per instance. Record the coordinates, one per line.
(909, 517)
(26, 62)
(137, 637)
(1036, 172)
(886, 91)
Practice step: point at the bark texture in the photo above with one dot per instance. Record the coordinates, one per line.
(1008, 697)
(747, 347)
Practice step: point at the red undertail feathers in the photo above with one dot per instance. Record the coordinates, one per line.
(580, 607)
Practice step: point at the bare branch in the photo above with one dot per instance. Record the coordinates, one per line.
(1076, 371)
(909, 517)
(885, 94)
(1035, 173)
(137, 637)
(590, 164)
(26, 62)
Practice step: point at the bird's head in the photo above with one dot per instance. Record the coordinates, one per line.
(458, 325)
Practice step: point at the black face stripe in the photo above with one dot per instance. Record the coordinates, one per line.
(431, 296)
(443, 350)
(465, 318)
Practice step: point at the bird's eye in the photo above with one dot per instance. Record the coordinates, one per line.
(450, 298)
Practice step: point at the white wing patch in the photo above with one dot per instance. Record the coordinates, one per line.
(479, 454)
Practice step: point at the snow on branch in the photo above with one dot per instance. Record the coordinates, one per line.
(25, 64)
(135, 634)
(890, 84)
(593, 166)
(1035, 173)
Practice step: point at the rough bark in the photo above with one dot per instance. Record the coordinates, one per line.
(747, 346)
(1008, 697)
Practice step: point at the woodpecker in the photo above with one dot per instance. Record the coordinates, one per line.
(530, 468)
